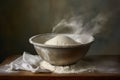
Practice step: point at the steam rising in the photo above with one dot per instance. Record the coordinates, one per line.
(81, 25)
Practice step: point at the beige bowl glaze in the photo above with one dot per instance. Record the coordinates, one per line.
(61, 55)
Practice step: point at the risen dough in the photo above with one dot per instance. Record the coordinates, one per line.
(61, 40)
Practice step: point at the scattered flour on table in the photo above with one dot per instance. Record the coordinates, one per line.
(79, 67)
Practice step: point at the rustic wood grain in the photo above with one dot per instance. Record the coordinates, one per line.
(26, 75)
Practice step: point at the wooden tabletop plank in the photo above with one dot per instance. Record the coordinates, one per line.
(26, 75)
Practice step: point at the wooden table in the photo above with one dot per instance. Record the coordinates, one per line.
(25, 75)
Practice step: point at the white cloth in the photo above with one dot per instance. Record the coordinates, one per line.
(26, 62)
(35, 64)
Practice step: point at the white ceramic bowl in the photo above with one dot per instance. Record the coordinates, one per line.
(61, 55)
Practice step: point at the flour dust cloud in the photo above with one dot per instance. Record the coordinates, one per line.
(79, 25)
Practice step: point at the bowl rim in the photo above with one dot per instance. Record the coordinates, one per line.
(55, 46)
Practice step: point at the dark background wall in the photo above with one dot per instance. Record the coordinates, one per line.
(21, 19)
